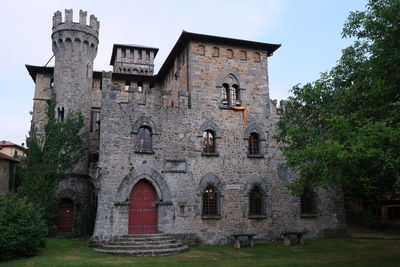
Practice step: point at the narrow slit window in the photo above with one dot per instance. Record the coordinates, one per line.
(60, 114)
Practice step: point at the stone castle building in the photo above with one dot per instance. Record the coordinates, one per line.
(188, 151)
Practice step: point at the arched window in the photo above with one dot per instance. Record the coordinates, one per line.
(202, 50)
(229, 53)
(256, 201)
(215, 52)
(231, 92)
(235, 91)
(307, 202)
(144, 139)
(257, 57)
(60, 114)
(254, 144)
(210, 201)
(243, 55)
(208, 142)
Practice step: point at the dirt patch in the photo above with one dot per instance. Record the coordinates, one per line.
(196, 254)
(237, 253)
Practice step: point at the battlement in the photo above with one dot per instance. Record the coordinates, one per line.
(68, 22)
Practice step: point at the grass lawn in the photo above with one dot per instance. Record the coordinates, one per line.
(332, 252)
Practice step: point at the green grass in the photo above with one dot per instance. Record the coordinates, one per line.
(332, 252)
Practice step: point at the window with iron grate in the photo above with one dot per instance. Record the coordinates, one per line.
(144, 139)
(210, 201)
(256, 201)
(307, 202)
(254, 144)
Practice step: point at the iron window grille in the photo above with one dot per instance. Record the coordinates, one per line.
(256, 201)
(210, 201)
(254, 144)
(144, 139)
(307, 202)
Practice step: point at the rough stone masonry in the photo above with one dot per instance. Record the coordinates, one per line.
(199, 134)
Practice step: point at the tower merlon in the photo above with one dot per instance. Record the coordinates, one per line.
(82, 17)
(94, 24)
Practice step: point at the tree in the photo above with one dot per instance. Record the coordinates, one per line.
(345, 127)
(50, 158)
(22, 228)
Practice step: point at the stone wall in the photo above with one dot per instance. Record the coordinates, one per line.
(179, 170)
(81, 192)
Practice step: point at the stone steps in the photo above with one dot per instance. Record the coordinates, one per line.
(141, 245)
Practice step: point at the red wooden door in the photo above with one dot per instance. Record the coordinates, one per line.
(66, 215)
(142, 209)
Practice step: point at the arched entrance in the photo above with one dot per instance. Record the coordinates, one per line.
(66, 215)
(142, 209)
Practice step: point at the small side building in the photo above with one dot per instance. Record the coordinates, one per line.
(10, 149)
(7, 173)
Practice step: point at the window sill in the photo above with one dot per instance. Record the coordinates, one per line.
(213, 154)
(256, 156)
(144, 152)
(224, 106)
(210, 217)
(228, 106)
(257, 217)
(308, 215)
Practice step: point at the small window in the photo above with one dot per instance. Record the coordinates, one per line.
(231, 95)
(229, 53)
(243, 55)
(15, 153)
(307, 202)
(123, 53)
(256, 202)
(95, 121)
(215, 52)
(140, 86)
(182, 209)
(257, 57)
(127, 85)
(140, 55)
(235, 95)
(147, 55)
(88, 70)
(93, 157)
(202, 50)
(144, 139)
(254, 144)
(60, 114)
(210, 201)
(51, 83)
(208, 142)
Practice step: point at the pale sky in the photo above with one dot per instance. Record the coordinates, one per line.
(309, 31)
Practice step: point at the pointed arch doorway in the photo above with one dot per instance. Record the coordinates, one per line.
(142, 209)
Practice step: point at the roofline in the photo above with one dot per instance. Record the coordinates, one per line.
(126, 76)
(190, 36)
(115, 46)
(7, 157)
(14, 145)
(34, 70)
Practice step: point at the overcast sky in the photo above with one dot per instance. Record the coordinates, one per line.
(309, 31)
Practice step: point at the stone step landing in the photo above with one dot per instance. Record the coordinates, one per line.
(141, 245)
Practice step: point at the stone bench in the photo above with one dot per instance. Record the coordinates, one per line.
(250, 237)
(288, 235)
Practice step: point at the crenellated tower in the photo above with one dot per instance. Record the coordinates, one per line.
(75, 47)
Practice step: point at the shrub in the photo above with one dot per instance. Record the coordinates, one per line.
(22, 228)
